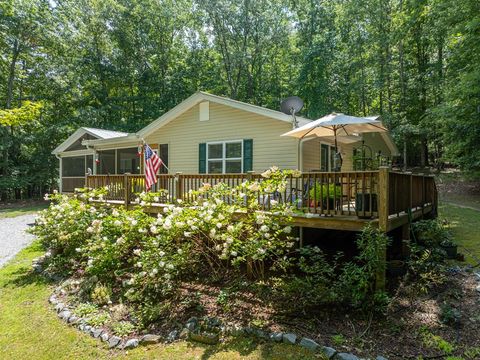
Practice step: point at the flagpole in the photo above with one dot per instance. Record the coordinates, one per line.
(163, 162)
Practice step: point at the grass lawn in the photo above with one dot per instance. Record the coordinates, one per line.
(9, 212)
(30, 329)
(465, 225)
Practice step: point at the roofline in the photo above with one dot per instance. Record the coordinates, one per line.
(71, 139)
(204, 96)
(116, 140)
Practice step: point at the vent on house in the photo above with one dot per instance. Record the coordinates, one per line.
(204, 111)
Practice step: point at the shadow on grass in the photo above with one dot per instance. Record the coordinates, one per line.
(244, 346)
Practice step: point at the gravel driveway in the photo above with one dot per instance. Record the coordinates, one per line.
(13, 237)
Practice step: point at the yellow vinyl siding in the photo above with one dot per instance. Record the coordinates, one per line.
(184, 133)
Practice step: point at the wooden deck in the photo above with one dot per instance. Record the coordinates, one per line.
(384, 198)
(338, 201)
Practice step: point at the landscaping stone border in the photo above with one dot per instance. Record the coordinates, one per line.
(191, 330)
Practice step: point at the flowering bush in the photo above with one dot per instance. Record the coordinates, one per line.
(140, 257)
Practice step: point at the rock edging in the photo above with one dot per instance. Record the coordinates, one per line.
(208, 333)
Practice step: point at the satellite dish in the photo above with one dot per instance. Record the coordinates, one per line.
(291, 106)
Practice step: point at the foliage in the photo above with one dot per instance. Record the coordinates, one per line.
(85, 309)
(332, 282)
(426, 268)
(323, 191)
(123, 328)
(432, 233)
(146, 257)
(120, 64)
(436, 342)
(98, 319)
(449, 315)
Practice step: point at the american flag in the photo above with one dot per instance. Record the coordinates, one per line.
(152, 164)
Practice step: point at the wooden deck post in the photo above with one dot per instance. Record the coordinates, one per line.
(383, 212)
(178, 185)
(126, 190)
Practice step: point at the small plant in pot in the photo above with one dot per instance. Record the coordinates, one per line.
(325, 194)
(450, 248)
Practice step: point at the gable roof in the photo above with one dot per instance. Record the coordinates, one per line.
(100, 134)
(200, 96)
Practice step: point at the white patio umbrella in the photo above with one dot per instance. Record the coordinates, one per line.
(337, 125)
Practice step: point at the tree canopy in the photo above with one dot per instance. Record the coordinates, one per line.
(119, 64)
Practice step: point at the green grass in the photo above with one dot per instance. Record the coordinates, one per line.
(30, 329)
(465, 224)
(17, 211)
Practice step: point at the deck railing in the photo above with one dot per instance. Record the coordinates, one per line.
(358, 193)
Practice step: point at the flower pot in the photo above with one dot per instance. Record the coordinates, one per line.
(396, 268)
(451, 251)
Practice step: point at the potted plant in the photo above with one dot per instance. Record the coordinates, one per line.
(450, 248)
(325, 194)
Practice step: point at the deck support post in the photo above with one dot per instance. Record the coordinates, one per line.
(383, 211)
(178, 185)
(126, 191)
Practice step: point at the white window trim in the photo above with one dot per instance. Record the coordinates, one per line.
(224, 154)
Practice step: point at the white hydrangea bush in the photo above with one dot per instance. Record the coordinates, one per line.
(142, 256)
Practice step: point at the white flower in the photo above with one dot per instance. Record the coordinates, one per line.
(137, 251)
(221, 217)
(219, 225)
(170, 266)
(142, 231)
(138, 264)
(161, 253)
(179, 201)
(55, 191)
(267, 235)
(154, 271)
(180, 251)
(90, 229)
(167, 225)
(264, 228)
(156, 199)
(153, 229)
(143, 203)
(187, 234)
(134, 222)
(161, 264)
(167, 276)
(261, 251)
(115, 212)
(234, 253)
(229, 240)
(78, 250)
(90, 262)
(213, 232)
(287, 229)
(117, 223)
(120, 240)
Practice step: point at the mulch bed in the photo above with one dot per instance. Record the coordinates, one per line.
(396, 334)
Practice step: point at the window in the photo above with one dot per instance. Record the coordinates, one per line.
(106, 163)
(327, 157)
(224, 157)
(128, 161)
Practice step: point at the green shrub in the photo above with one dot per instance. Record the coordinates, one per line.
(322, 191)
(99, 319)
(432, 233)
(85, 310)
(123, 328)
(101, 294)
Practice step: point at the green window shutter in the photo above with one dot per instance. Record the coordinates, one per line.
(202, 158)
(247, 155)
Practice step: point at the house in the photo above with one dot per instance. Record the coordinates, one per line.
(211, 134)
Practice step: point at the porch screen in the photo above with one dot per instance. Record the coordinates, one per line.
(73, 166)
(107, 162)
(128, 161)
